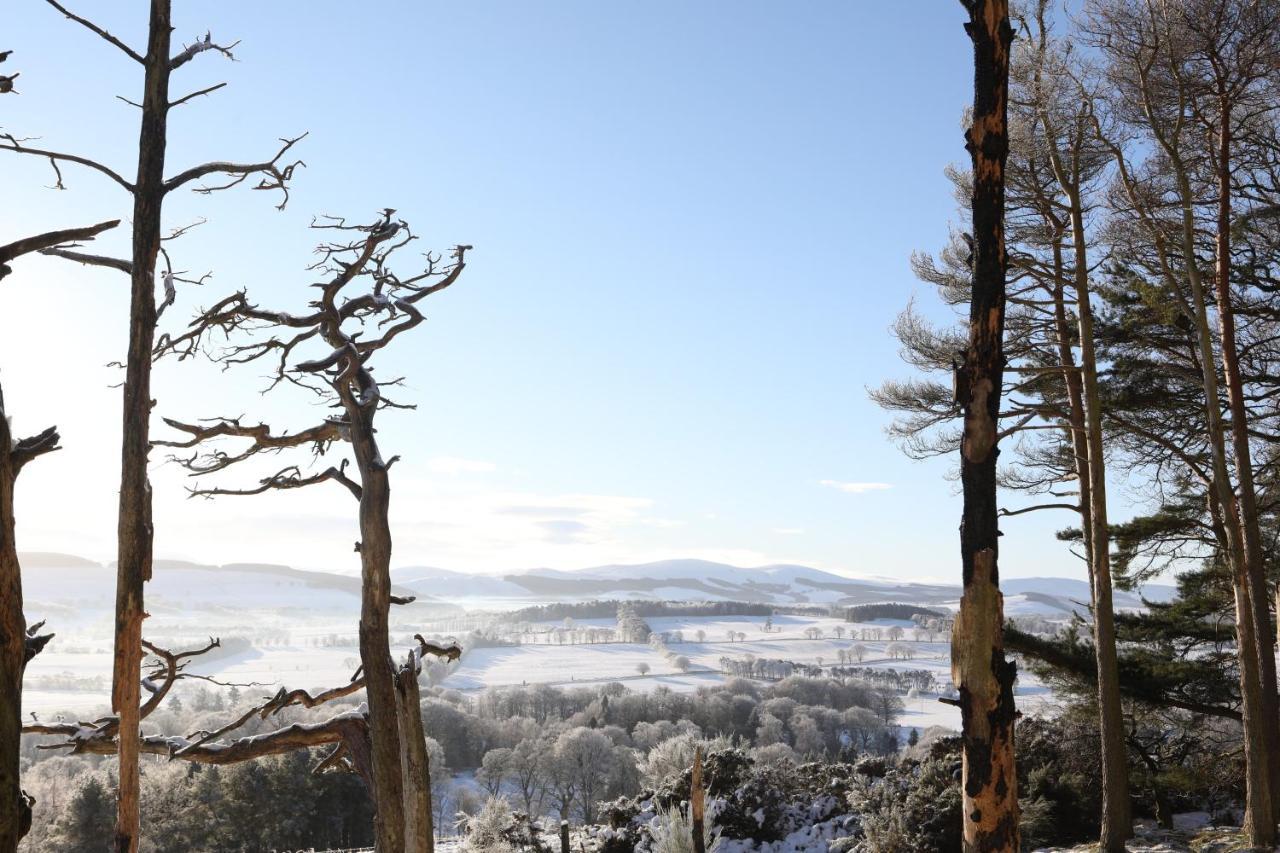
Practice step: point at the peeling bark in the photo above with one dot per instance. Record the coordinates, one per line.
(979, 668)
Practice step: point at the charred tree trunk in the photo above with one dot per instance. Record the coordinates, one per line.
(1259, 599)
(135, 532)
(980, 670)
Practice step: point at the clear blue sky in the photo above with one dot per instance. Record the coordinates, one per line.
(691, 224)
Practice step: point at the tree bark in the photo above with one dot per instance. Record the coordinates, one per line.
(135, 532)
(415, 767)
(697, 804)
(13, 633)
(983, 676)
(375, 649)
(1255, 567)
(1259, 816)
(1117, 823)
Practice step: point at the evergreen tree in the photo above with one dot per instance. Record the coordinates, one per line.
(87, 824)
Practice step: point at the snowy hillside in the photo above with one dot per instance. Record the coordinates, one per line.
(707, 581)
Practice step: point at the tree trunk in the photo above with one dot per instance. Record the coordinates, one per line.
(1259, 820)
(1255, 567)
(135, 532)
(1086, 418)
(1117, 823)
(13, 633)
(414, 764)
(375, 649)
(697, 804)
(979, 668)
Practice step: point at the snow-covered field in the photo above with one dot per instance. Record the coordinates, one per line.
(73, 673)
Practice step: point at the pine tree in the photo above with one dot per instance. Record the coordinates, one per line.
(87, 824)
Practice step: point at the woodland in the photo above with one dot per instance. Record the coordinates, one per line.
(1113, 274)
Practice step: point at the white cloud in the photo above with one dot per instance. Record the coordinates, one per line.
(458, 465)
(855, 488)
(788, 531)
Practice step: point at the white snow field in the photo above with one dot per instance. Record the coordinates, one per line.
(287, 627)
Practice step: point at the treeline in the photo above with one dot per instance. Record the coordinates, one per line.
(889, 610)
(607, 608)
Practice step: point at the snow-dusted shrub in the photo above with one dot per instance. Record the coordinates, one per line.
(485, 832)
(495, 828)
(672, 832)
(776, 755)
(675, 754)
(914, 807)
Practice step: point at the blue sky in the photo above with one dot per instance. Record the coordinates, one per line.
(691, 225)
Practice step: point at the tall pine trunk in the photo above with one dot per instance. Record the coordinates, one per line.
(135, 532)
(1255, 567)
(983, 676)
(1117, 822)
(1259, 815)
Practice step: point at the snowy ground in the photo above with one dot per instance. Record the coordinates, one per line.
(316, 650)
(572, 665)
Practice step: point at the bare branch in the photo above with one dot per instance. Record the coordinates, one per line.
(12, 143)
(196, 94)
(275, 177)
(40, 242)
(92, 260)
(29, 448)
(130, 52)
(1004, 513)
(200, 46)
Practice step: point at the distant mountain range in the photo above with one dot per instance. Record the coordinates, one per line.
(62, 583)
(700, 580)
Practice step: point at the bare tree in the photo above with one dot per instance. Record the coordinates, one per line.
(19, 642)
(979, 668)
(148, 191)
(363, 305)
(345, 733)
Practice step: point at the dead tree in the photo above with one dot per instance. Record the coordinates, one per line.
(363, 305)
(979, 667)
(19, 643)
(345, 734)
(148, 191)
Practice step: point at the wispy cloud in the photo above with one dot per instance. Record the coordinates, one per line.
(788, 531)
(458, 465)
(855, 488)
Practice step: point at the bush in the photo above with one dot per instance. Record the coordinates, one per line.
(672, 832)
